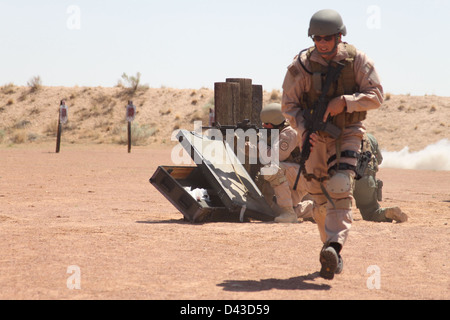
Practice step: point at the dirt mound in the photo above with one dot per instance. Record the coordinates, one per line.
(97, 115)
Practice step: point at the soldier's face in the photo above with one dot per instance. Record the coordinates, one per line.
(325, 44)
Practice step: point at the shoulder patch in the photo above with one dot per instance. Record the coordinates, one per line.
(284, 145)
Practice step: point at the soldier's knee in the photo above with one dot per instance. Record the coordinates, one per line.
(365, 191)
(278, 178)
(340, 188)
(340, 185)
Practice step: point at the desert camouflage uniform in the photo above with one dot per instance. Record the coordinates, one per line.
(283, 181)
(334, 222)
(368, 190)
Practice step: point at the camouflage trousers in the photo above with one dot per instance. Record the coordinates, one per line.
(334, 219)
(366, 198)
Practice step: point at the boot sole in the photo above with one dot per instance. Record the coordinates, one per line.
(329, 260)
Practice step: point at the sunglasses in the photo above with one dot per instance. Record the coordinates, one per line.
(268, 125)
(326, 38)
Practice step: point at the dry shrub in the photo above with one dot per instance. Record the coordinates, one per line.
(52, 128)
(19, 136)
(35, 83)
(9, 88)
(133, 83)
(197, 116)
(139, 134)
(22, 124)
(275, 95)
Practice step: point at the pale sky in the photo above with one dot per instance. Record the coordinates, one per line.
(193, 44)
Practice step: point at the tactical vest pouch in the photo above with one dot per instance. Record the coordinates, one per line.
(354, 117)
(363, 164)
(343, 120)
(317, 82)
(379, 190)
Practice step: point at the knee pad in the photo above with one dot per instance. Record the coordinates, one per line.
(340, 188)
(340, 185)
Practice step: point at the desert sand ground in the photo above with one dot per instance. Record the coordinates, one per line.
(91, 208)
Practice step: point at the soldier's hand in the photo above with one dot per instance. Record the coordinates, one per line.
(312, 140)
(335, 106)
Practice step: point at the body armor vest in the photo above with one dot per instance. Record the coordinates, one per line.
(346, 85)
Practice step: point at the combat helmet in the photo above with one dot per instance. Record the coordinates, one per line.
(326, 23)
(272, 114)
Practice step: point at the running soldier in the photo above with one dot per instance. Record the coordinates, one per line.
(332, 162)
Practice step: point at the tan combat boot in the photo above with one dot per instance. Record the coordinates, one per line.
(396, 214)
(287, 215)
(304, 209)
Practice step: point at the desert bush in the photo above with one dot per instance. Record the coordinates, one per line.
(197, 116)
(22, 124)
(33, 136)
(133, 83)
(35, 83)
(9, 88)
(19, 136)
(275, 95)
(52, 128)
(139, 134)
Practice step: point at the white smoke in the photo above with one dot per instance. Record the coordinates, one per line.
(433, 157)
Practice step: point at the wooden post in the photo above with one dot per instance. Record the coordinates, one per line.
(257, 104)
(226, 102)
(62, 119)
(58, 135)
(130, 110)
(129, 137)
(245, 98)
